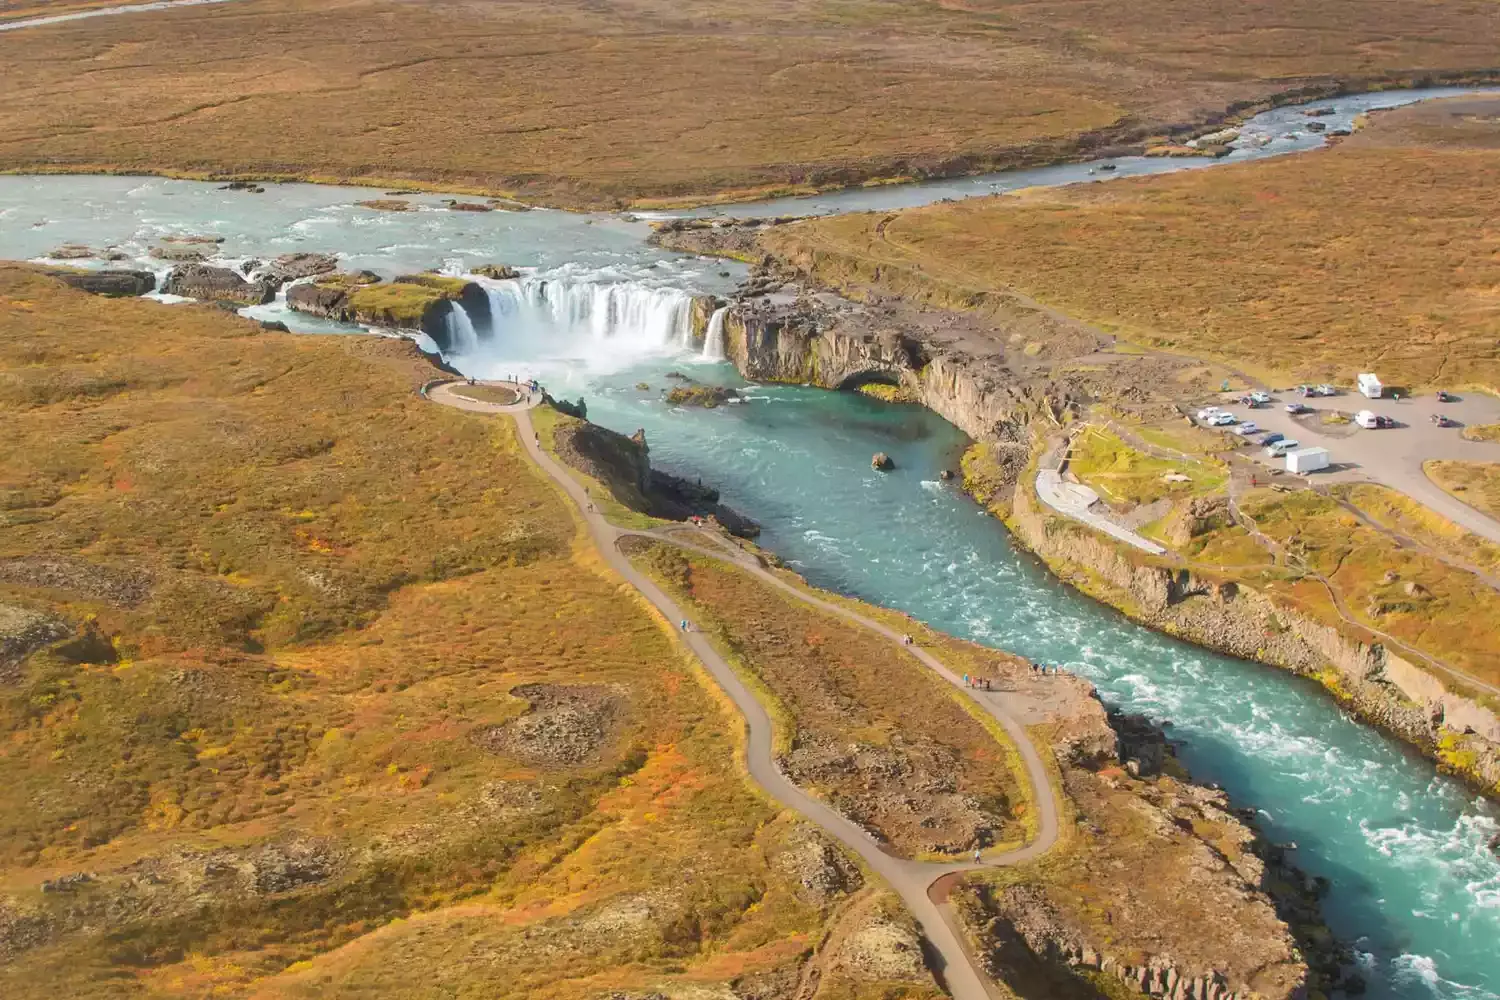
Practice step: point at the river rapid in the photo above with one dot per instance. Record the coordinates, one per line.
(1414, 886)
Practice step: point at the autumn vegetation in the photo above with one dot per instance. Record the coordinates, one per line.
(579, 104)
(1377, 252)
(285, 653)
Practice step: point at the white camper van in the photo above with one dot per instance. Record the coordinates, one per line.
(1370, 386)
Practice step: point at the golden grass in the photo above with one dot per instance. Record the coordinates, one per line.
(1124, 475)
(311, 588)
(1401, 514)
(1375, 253)
(1475, 483)
(1481, 432)
(1408, 594)
(587, 105)
(843, 687)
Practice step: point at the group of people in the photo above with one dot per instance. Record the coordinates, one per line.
(1042, 668)
(981, 683)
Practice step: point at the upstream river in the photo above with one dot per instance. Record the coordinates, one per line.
(1414, 886)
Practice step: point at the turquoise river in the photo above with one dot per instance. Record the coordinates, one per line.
(1415, 887)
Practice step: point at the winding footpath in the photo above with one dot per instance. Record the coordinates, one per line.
(913, 881)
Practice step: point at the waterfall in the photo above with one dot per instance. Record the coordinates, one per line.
(461, 335)
(713, 340)
(592, 317)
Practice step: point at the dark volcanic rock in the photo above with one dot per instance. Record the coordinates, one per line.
(500, 272)
(319, 300)
(181, 254)
(882, 462)
(291, 266)
(217, 284)
(116, 284)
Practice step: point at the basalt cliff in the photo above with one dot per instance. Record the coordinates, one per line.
(1010, 374)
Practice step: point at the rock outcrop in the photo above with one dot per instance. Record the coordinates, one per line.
(623, 464)
(881, 462)
(293, 266)
(499, 272)
(418, 302)
(217, 284)
(114, 284)
(1377, 684)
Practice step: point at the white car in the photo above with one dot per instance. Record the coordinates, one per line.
(1283, 446)
(1222, 419)
(1326, 390)
(1247, 428)
(1260, 397)
(1207, 412)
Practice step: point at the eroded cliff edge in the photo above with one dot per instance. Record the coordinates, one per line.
(1011, 373)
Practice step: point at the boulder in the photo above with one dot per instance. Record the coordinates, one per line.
(466, 206)
(115, 284)
(182, 255)
(291, 266)
(881, 462)
(72, 251)
(274, 326)
(946, 475)
(708, 396)
(190, 240)
(328, 301)
(1316, 126)
(500, 272)
(217, 284)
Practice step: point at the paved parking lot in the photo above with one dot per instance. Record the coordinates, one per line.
(1391, 457)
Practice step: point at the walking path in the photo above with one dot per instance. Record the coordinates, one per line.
(912, 880)
(1071, 500)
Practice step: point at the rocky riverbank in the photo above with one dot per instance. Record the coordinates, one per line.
(1009, 373)
(1162, 887)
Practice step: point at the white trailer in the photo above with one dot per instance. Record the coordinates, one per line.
(1370, 386)
(1367, 419)
(1307, 460)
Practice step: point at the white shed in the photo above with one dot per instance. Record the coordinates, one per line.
(1307, 460)
(1370, 385)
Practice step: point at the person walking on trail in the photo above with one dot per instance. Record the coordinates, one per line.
(976, 855)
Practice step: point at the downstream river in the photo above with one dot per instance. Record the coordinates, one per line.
(1415, 887)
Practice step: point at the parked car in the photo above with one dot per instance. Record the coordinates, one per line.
(1283, 446)
(1296, 408)
(1383, 422)
(1222, 420)
(1257, 397)
(1441, 420)
(1272, 438)
(1444, 396)
(1325, 390)
(1207, 412)
(1247, 428)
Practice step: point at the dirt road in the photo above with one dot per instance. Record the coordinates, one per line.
(910, 879)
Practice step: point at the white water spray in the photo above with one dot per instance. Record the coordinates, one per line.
(462, 337)
(598, 325)
(713, 340)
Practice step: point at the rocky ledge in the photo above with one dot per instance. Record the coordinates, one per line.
(114, 284)
(417, 302)
(623, 464)
(217, 284)
(1159, 887)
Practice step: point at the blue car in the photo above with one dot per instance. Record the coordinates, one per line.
(1272, 438)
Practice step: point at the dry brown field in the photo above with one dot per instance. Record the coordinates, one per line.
(1378, 253)
(582, 103)
(309, 687)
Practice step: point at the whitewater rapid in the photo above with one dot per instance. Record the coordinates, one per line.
(598, 313)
